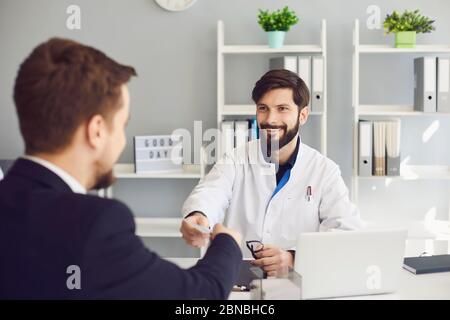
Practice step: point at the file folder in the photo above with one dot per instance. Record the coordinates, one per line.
(241, 132)
(253, 129)
(379, 148)
(227, 137)
(365, 148)
(443, 84)
(286, 62)
(393, 147)
(425, 84)
(304, 70)
(317, 84)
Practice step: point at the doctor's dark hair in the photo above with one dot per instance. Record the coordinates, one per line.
(61, 85)
(277, 79)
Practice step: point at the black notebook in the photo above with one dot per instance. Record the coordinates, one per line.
(431, 264)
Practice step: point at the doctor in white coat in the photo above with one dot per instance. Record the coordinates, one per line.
(272, 195)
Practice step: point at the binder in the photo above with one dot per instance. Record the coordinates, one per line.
(227, 137)
(286, 62)
(241, 132)
(254, 132)
(317, 84)
(379, 148)
(425, 84)
(304, 70)
(443, 84)
(393, 147)
(430, 264)
(365, 148)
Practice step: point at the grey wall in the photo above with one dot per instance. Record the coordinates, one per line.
(175, 55)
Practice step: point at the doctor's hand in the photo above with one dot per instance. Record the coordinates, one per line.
(273, 260)
(191, 235)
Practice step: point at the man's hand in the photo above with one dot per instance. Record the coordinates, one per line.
(273, 260)
(190, 234)
(218, 229)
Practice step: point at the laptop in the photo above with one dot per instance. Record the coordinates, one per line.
(349, 263)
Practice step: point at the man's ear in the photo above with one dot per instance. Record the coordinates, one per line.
(95, 131)
(303, 115)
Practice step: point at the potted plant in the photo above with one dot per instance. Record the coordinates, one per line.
(276, 24)
(406, 26)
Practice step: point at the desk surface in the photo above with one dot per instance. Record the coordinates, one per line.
(425, 286)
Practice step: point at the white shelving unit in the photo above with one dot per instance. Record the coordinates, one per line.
(430, 172)
(224, 110)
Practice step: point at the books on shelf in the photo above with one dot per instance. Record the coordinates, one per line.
(236, 133)
(311, 70)
(431, 84)
(379, 148)
(158, 153)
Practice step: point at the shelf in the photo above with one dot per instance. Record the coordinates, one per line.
(390, 49)
(395, 110)
(246, 49)
(246, 110)
(158, 227)
(126, 171)
(418, 173)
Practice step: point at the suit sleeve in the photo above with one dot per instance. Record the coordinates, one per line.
(212, 195)
(117, 265)
(336, 210)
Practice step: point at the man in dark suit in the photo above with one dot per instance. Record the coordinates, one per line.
(56, 242)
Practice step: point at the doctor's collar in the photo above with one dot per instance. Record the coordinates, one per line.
(269, 161)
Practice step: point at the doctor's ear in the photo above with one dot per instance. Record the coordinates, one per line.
(303, 115)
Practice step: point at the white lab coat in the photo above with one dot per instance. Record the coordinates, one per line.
(238, 190)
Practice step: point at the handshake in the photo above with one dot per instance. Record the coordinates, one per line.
(195, 230)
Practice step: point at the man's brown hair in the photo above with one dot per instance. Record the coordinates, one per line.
(62, 84)
(276, 79)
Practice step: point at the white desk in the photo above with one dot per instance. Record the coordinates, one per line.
(426, 286)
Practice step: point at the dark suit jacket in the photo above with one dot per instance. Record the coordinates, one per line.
(45, 228)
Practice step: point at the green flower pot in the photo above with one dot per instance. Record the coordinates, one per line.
(276, 39)
(405, 39)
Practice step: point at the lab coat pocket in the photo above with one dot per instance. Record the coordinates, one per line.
(300, 214)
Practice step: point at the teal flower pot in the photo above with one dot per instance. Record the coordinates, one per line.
(276, 39)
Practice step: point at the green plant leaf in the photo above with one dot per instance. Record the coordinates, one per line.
(407, 21)
(279, 20)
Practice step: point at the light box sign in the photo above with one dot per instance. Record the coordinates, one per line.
(161, 153)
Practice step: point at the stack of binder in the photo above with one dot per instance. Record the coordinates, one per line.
(236, 133)
(379, 148)
(432, 84)
(311, 70)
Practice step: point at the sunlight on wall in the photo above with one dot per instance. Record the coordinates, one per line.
(430, 131)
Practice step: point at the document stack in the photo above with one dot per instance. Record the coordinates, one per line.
(432, 84)
(236, 133)
(379, 148)
(161, 153)
(311, 70)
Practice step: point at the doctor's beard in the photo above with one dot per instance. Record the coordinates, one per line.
(274, 145)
